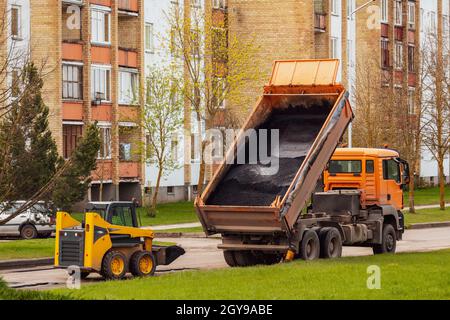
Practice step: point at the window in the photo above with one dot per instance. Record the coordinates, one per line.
(196, 3)
(219, 4)
(72, 82)
(385, 63)
(218, 100)
(411, 101)
(170, 190)
(411, 14)
(101, 83)
(334, 7)
(125, 152)
(174, 149)
(370, 166)
(384, 11)
(16, 22)
(71, 135)
(128, 87)
(15, 83)
(391, 170)
(122, 216)
(193, 148)
(101, 26)
(432, 18)
(398, 55)
(105, 143)
(333, 47)
(411, 58)
(350, 9)
(195, 42)
(149, 38)
(345, 166)
(195, 189)
(398, 12)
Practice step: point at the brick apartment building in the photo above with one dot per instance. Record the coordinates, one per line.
(92, 51)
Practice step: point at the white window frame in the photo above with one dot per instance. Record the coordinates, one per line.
(77, 65)
(128, 97)
(107, 69)
(219, 4)
(398, 63)
(17, 36)
(334, 7)
(106, 144)
(411, 101)
(398, 13)
(385, 11)
(411, 14)
(95, 34)
(334, 47)
(149, 37)
(196, 3)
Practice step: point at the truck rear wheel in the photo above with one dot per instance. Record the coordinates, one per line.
(114, 265)
(244, 259)
(389, 241)
(330, 243)
(310, 246)
(229, 258)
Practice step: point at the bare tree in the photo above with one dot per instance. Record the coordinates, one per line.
(436, 98)
(216, 65)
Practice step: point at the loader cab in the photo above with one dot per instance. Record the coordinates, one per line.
(116, 213)
(379, 174)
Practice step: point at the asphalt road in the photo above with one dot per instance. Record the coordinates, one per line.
(202, 253)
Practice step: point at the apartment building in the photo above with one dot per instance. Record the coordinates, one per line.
(93, 51)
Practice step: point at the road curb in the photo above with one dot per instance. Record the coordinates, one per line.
(20, 263)
(428, 225)
(182, 235)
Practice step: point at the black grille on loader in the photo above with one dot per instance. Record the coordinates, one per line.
(71, 248)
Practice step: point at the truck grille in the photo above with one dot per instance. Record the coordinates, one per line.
(71, 244)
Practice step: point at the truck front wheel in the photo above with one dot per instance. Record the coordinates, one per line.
(310, 246)
(389, 241)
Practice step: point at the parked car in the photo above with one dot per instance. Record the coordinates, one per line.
(38, 221)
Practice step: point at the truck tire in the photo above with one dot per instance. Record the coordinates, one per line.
(142, 264)
(310, 246)
(330, 243)
(28, 232)
(229, 258)
(114, 265)
(389, 241)
(245, 259)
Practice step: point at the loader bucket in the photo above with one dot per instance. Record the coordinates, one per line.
(165, 255)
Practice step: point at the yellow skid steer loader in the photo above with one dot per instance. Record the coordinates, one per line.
(110, 242)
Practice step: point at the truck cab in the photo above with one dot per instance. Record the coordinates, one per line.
(379, 174)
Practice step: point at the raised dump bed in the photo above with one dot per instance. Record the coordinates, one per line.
(311, 112)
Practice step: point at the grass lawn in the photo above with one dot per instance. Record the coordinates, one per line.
(403, 276)
(170, 213)
(39, 248)
(426, 196)
(182, 230)
(427, 215)
(12, 294)
(26, 249)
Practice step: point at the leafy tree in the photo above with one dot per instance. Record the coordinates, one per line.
(162, 117)
(71, 186)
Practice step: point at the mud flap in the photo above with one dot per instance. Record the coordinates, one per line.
(166, 255)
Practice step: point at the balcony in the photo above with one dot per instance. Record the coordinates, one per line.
(320, 24)
(128, 6)
(128, 58)
(129, 170)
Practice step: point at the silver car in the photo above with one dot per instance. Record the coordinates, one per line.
(33, 223)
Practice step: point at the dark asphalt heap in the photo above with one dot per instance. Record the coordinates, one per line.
(258, 184)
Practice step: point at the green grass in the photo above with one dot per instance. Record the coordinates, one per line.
(403, 276)
(26, 249)
(427, 215)
(182, 230)
(425, 196)
(12, 294)
(170, 213)
(39, 248)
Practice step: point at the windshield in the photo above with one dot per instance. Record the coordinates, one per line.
(101, 212)
(345, 166)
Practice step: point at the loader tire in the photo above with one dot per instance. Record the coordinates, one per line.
(84, 275)
(389, 241)
(310, 246)
(142, 264)
(229, 258)
(114, 265)
(330, 243)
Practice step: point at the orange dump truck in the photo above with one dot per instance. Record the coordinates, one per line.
(272, 208)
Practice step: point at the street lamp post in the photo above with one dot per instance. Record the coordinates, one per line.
(349, 17)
